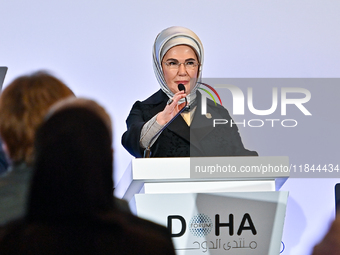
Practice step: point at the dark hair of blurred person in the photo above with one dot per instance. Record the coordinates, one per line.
(73, 166)
(70, 208)
(23, 105)
(93, 106)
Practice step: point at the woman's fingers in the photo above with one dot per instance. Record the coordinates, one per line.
(174, 100)
(181, 106)
(178, 96)
(171, 109)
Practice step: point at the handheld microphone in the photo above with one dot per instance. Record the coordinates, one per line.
(180, 88)
(147, 151)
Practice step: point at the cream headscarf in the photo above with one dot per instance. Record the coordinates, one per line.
(167, 39)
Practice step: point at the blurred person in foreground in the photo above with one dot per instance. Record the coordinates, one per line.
(70, 208)
(330, 245)
(23, 105)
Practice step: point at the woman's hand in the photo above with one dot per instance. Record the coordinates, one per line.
(172, 109)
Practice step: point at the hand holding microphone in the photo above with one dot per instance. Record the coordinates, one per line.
(172, 108)
(170, 112)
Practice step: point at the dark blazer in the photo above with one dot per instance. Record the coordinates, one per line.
(178, 140)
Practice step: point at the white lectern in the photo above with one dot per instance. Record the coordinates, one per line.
(212, 205)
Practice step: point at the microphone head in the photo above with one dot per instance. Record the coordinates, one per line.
(181, 87)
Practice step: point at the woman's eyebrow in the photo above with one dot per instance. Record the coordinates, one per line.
(172, 59)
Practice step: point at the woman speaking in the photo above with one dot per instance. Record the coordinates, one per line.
(154, 124)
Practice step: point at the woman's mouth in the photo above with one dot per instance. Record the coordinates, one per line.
(182, 82)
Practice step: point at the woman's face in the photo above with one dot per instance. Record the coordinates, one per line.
(182, 74)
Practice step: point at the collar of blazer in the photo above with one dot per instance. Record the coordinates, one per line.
(202, 125)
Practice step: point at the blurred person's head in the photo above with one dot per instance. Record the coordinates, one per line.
(23, 105)
(74, 102)
(73, 165)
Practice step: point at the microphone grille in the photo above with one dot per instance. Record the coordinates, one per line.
(181, 87)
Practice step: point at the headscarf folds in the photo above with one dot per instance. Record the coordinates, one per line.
(165, 40)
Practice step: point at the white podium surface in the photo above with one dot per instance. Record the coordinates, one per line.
(211, 205)
(208, 174)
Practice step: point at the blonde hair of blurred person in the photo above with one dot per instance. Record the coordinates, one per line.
(23, 106)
